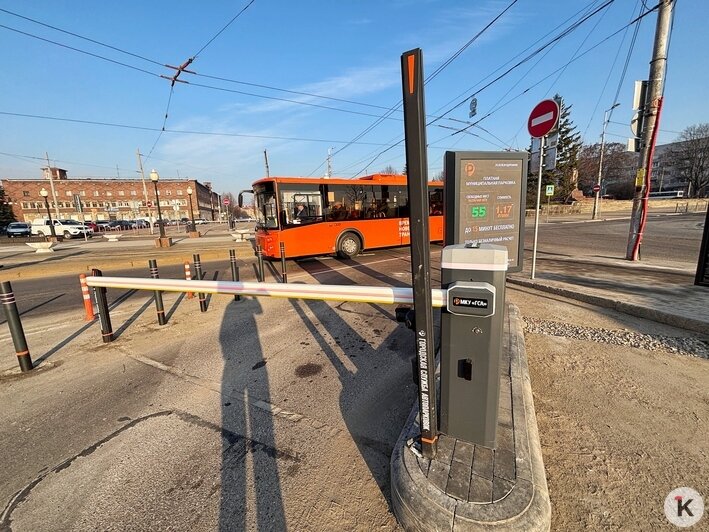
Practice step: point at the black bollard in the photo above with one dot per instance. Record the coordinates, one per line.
(259, 257)
(234, 271)
(13, 321)
(159, 307)
(198, 276)
(102, 306)
(284, 272)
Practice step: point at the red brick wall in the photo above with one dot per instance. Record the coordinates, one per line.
(105, 199)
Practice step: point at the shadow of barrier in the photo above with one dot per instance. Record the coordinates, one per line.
(464, 486)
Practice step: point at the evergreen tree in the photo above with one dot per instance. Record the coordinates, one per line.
(567, 153)
(6, 214)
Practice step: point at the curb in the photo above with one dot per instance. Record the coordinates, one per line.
(682, 322)
(419, 505)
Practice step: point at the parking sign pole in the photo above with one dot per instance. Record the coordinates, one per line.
(542, 142)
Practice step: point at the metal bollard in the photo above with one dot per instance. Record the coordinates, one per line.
(159, 307)
(234, 270)
(284, 272)
(13, 321)
(102, 308)
(86, 294)
(188, 277)
(198, 275)
(259, 257)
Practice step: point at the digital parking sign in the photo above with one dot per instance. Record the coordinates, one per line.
(485, 195)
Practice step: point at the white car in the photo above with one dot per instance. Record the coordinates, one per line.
(66, 228)
(200, 221)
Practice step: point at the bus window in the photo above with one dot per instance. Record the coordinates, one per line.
(435, 201)
(348, 202)
(300, 204)
(265, 202)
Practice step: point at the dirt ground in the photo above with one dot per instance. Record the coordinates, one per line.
(620, 427)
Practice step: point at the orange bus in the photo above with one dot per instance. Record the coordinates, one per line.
(319, 216)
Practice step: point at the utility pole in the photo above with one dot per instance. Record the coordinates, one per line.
(51, 185)
(329, 162)
(145, 190)
(600, 161)
(656, 84)
(265, 157)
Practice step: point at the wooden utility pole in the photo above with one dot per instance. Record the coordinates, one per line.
(656, 84)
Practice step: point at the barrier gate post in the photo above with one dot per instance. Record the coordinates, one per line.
(472, 324)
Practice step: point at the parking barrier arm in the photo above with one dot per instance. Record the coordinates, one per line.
(363, 294)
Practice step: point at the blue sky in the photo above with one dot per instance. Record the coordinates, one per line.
(345, 50)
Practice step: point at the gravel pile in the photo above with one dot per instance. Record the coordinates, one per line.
(652, 342)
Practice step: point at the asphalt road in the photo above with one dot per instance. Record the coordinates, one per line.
(668, 238)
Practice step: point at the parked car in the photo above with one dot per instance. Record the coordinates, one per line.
(200, 221)
(121, 225)
(142, 224)
(66, 228)
(103, 225)
(92, 226)
(18, 229)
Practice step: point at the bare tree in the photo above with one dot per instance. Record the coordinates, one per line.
(389, 170)
(691, 158)
(618, 168)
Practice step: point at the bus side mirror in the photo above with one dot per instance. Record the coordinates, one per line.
(240, 200)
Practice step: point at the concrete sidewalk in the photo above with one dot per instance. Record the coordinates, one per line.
(658, 291)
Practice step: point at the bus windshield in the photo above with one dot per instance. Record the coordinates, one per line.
(265, 203)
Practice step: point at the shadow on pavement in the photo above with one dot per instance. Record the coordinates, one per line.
(249, 452)
(376, 396)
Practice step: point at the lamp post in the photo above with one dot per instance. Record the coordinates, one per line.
(154, 177)
(189, 194)
(600, 161)
(44, 194)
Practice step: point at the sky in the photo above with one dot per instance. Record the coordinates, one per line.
(301, 78)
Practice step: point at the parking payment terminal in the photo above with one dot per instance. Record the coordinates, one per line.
(472, 324)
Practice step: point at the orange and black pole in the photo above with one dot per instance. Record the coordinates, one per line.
(159, 306)
(7, 297)
(417, 169)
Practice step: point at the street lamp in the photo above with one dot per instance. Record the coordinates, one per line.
(189, 194)
(600, 161)
(44, 194)
(154, 177)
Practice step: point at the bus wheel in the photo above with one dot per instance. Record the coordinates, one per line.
(349, 246)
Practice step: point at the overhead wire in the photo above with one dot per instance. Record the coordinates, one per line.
(560, 36)
(210, 41)
(536, 52)
(104, 58)
(180, 131)
(610, 73)
(444, 65)
(475, 37)
(558, 69)
(94, 41)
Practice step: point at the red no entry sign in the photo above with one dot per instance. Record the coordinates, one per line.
(543, 118)
(226, 202)
(596, 187)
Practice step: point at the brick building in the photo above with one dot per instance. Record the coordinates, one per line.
(109, 199)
